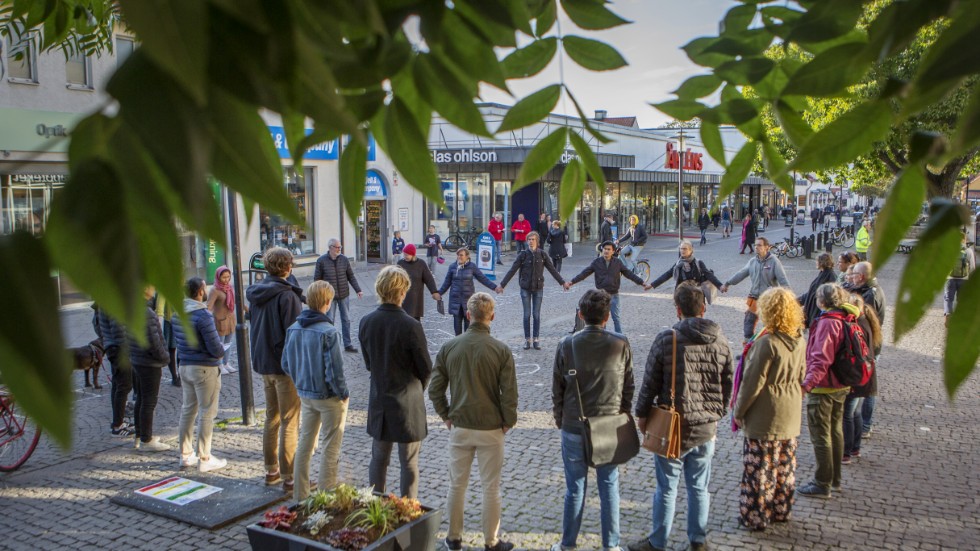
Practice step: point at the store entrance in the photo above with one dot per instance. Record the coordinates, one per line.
(376, 231)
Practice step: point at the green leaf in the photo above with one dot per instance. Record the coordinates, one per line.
(174, 33)
(33, 362)
(746, 43)
(843, 140)
(244, 156)
(776, 168)
(738, 19)
(588, 159)
(545, 19)
(963, 336)
(967, 133)
(440, 87)
(353, 174)
(830, 73)
(738, 169)
(826, 19)
(711, 138)
(571, 188)
(698, 87)
(592, 54)
(406, 146)
(591, 15)
(472, 55)
(531, 109)
(797, 130)
(745, 71)
(542, 158)
(531, 59)
(696, 51)
(929, 264)
(495, 32)
(901, 210)
(599, 136)
(682, 110)
(898, 24)
(954, 55)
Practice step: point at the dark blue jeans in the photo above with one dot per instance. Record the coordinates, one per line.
(460, 323)
(853, 424)
(867, 410)
(342, 304)
(532, 303)
(576, 483)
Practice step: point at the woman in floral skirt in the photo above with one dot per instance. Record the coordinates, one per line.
(768, 405)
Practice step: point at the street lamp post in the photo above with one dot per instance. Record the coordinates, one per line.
(680, 186)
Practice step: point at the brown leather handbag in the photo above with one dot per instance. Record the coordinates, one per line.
(662, 434)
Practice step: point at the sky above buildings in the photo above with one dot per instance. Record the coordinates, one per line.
(651, 46)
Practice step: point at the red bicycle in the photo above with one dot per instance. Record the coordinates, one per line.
(18, 435)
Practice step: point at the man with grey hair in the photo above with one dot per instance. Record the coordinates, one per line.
(480, 375)
(335, 269)
(861, 280)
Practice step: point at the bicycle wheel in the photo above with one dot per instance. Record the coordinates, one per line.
(454, 242)
(848, 241)
(643, 270)
(18, 435)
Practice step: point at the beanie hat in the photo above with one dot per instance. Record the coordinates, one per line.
(409, 249)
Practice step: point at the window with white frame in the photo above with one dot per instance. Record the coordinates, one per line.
(22, 59)
(125, 45)
(78, 71)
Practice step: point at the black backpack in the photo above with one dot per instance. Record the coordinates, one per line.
(854, 362)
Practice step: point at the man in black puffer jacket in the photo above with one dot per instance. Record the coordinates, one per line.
(335, 269)
(113, 335)
(703, 389)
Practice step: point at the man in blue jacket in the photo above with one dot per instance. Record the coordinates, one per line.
(274, 305)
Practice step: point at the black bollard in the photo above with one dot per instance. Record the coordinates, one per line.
(829, 245)
(792, 230)
(820, 240)
(808, 247)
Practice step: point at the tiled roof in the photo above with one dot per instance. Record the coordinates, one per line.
(622, 121)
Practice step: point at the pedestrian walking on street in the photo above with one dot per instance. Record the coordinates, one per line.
(200, 355)
(703, 222)
(748, 233)
(335, 269)
(520, 229)
(478, 370)
(854, 403)
(808, 300)
(608, 272)
(632, 242)
(148, 362)
(496, 229)
(459, 283)
(313, 359)
(397, 356)
(433, 246)
(420, 278)
(221, 304)
(703, 364)
(557, 240)
(532, 263)
(593, 375)
(274, 305)
(767, 406)
(764, 270)
(814, 218)
(825, 394)
(862, 241)
(726, 221)
(966, 263)
(687, 268)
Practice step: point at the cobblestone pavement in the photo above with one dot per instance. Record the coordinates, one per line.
(915, 487)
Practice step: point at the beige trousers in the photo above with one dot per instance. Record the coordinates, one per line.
(488, 447)
(201, 387)
(281, 424)
(330, 415)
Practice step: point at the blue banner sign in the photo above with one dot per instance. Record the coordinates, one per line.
(485, 246)
(326, 151)
(374, 185)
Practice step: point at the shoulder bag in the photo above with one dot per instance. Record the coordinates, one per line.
(662, 434)
(607, 439)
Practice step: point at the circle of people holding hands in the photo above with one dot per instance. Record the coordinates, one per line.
(794, 358)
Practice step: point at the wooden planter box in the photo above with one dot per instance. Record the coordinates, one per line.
(418, 535)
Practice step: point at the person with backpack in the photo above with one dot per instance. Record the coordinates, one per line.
(831, 338)
(964, 266)
(865, 317)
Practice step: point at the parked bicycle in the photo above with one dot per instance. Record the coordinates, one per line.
(788, 248)
(18, 434)
(462, 238)
(840, 236)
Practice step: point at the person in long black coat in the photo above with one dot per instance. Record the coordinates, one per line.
(808, 300)
(396, 353)
(421, 278)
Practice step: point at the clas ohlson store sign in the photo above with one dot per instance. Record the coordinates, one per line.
(326, 151)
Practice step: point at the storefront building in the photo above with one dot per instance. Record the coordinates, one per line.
(640, 167)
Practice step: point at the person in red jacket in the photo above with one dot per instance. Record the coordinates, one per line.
(520, 229)
(825, 394)
(496, 229)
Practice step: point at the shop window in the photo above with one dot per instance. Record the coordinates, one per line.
(124, 47)
(589, 216)
(78, 71)
(22, 59)
(467, 204)
(276, 231)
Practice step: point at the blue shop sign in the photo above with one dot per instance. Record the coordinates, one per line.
(327, 151)
(374, 185)
(485, 261)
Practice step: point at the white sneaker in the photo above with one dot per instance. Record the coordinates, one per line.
(231, 368)
(212, 464)
(154, 445)
(224, 369)
(187, 461)
(559, 547)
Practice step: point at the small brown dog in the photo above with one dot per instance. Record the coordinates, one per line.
(89, 358)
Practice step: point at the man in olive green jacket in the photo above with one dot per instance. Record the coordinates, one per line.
(479, 373)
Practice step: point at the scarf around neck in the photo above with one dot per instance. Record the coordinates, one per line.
(227, 289)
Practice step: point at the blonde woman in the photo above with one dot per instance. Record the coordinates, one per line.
(768, 409)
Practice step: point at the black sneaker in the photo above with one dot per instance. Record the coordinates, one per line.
(527, 345)
(703, 546)
(351, 349)
(814, 490)
(537, 345)
(501, 545)
(643, 545)
(454, 545)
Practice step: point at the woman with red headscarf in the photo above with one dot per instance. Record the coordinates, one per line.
(221, 303)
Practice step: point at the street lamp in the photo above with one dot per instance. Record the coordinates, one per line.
(680, 183)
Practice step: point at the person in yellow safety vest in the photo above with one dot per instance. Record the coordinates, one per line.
(862, 241)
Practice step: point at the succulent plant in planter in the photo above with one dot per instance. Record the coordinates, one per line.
(348, 519)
